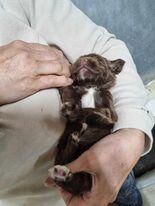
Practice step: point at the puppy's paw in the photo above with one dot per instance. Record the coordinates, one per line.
(60, 173)
(67, 107)
(75, 137)
(69, 110)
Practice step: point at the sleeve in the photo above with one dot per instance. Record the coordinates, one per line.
(61, 23)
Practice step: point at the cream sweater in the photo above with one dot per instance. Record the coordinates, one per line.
(30, 128)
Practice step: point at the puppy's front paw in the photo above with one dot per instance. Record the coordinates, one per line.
(60, 173)
(69, 110)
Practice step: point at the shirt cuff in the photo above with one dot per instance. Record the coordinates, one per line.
(137, 118)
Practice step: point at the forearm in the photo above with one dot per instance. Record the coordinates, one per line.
(130, 145)
(117, 154)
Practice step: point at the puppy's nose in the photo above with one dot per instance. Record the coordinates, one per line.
(84, 62)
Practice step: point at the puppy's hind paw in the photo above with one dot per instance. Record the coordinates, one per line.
(60, 173)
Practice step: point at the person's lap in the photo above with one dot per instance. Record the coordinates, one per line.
(129, 195)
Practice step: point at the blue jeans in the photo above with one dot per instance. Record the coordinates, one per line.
(129, 195)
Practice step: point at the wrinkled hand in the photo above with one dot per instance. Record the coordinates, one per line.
(26, 68)
(109, 161)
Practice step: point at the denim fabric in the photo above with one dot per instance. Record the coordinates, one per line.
(129, 195)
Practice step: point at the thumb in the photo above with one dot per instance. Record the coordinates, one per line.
(80, 164)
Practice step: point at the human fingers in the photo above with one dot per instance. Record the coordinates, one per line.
(39, 51)
(53, 67)
(48, 81)
(51, 55)
(43, 57)
(53, 49)
(46, 52)
(67, 197)
(50, 48)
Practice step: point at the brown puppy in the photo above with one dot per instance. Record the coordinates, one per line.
(89, 109)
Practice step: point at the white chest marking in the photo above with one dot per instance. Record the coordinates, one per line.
(88, 98)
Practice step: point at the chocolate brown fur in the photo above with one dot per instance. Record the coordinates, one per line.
(85, 126)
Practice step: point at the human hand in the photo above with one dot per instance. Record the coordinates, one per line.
(109, 162)
(26, 68)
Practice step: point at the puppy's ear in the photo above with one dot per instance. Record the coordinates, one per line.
(117, 65)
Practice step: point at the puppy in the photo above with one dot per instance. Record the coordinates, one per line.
(88, 107)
